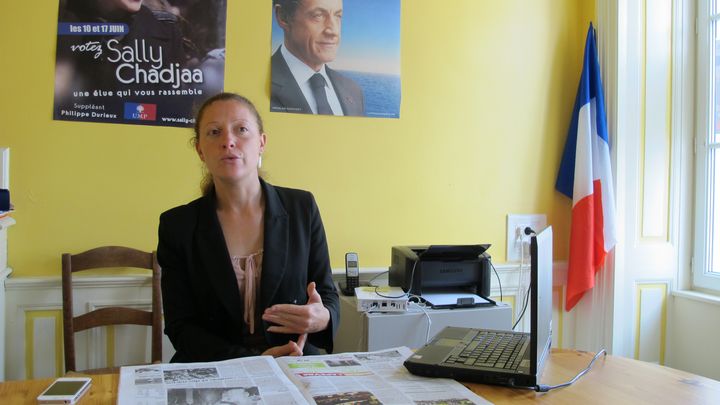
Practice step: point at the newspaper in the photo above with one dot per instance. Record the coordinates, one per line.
(371, 378)
(359, 378)
(249, 380)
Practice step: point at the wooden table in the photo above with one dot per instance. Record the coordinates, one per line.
(612, 380)
(102, 391)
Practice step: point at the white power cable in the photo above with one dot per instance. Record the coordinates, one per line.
(429, 321)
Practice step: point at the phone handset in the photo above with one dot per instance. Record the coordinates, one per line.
(352, 273)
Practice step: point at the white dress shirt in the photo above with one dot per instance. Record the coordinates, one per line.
(302, 74)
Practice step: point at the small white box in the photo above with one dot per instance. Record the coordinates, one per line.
(381, 299)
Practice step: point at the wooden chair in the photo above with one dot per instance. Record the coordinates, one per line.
(104, 257)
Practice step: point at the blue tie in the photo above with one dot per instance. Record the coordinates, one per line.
(317, 84)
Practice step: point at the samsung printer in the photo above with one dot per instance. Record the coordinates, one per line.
(422, 269)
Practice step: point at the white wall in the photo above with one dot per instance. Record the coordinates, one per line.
(693, 335)
(33, 321)
(5, 271)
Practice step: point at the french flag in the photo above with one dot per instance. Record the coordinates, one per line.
(585, 176)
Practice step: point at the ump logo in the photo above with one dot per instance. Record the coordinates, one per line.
(142, 112)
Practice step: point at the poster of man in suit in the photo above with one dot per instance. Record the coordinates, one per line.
(336, 57)
(146, 62)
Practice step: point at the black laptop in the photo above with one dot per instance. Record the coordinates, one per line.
(498, 357)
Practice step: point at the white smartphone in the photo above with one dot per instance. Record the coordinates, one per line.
(65, 390)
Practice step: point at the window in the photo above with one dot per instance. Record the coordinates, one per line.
(706, 260)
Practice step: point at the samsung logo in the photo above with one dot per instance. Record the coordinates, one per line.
(451, 270)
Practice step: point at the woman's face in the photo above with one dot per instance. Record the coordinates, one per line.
(229, 141)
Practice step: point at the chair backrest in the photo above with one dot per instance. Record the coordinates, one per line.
(104, 257)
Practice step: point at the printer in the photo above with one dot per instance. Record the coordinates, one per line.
(420, 269)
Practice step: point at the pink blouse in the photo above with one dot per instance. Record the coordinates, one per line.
(247, 272)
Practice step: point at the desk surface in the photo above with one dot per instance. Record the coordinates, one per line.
(102, 391)
(611, 380)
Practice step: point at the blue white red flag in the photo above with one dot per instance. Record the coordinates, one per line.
(586, 177)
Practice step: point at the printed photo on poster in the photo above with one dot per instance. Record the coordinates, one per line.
(336, 57)
(145, 62)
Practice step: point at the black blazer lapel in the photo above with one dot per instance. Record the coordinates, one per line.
(214, 257)
(275, 249)
(285, 94)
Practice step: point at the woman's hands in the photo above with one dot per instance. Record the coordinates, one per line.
(289, 349)
(301, 319)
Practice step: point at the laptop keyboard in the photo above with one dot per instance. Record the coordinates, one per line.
(490, 349)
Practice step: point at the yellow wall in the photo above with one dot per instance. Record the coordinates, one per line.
(487, 90)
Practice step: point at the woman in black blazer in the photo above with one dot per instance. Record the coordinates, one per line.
(245, 268)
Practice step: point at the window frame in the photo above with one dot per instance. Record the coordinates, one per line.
(706, 26)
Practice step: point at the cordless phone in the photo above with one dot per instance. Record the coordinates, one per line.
(352, 273)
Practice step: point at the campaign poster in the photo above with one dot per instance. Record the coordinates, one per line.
(144, 62)
(336, 57)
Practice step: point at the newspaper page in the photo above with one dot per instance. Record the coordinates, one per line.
(250, 380)
(371, 378)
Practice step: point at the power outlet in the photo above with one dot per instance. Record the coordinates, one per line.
(517, 242)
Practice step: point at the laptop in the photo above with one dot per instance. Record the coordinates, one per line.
(485, 356)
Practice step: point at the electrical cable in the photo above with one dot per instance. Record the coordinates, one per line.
(422, 308)
(526, 301)
(526, 296)
(377, 291)
(407, 294)
(546, 388)
(498, 279)
(376, 276)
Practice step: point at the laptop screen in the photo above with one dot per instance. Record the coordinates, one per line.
(541, 272)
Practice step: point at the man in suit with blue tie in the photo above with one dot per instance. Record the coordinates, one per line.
(302, 82)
